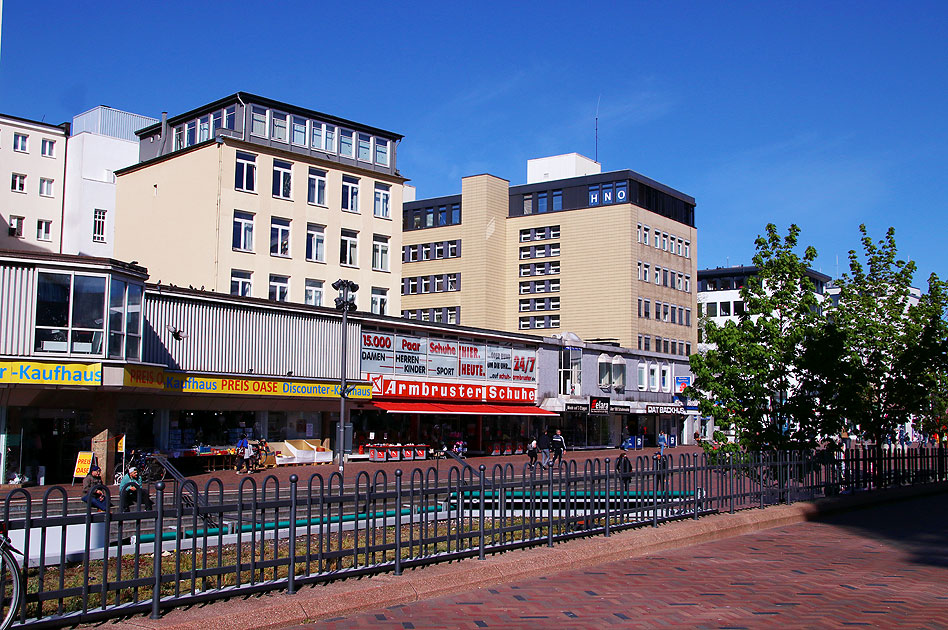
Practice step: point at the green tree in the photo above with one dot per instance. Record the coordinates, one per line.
(929, 359)
(758, 374)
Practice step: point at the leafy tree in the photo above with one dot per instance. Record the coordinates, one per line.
(761, 374)
(929, 360)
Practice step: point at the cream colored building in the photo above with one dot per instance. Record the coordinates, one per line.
(32, 161)
(608, 256)
(259, 198)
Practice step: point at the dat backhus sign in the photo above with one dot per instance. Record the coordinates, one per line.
(401, 366)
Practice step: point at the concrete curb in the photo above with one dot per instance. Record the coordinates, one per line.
(350, 596)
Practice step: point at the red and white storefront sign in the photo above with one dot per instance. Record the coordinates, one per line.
(387, 387)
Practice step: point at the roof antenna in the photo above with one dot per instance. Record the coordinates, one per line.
(597, 127)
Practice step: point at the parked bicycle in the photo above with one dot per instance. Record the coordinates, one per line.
(149, 468)
(11, 580)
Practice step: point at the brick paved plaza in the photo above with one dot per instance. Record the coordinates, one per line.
(883, 567)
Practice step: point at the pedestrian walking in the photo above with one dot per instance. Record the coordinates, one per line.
(544, 445)
(662, 442)
(244, 454)
(558, 445)
(532, 453)
(624, 469)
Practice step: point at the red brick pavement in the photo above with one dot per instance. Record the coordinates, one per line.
(884, 567)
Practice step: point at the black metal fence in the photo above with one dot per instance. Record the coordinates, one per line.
(201, 544)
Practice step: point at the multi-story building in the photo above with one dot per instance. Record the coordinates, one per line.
(255, 197)
(607, 256)
(103, 141)
(33, 159)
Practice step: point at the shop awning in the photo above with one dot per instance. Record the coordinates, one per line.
(469, 409)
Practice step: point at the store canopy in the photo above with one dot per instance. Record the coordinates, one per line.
(479, 409)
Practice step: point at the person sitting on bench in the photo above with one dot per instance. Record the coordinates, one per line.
(131, 492)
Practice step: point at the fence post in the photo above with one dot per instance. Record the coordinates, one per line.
(730, 480)
(291, 569)
(398, 520)
(760, 474)
(694, 481)
(480, 553)
(654, 492)
(159, 526)
(608, 496)
(549, 506)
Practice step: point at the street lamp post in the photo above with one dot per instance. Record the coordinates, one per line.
(345, 303)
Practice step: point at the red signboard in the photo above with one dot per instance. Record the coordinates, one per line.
(387, 387)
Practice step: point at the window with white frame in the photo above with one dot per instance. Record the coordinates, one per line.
(658, 239)
(642, 376)
(279, 288)
(278, 126)
(125, 316)
(44, 230)
(48, 148)
(314, 292)
(191, 133)
(666, 380)
(323, 137)
(98, 225)
(246, 172)
(379, 252)
(554, 321)
(346, 143)
(381, 152)
(298, 131)
(282, 179)
(16, 226)
(315, 243)
(18, 183)
(178, 138)
(46, 187)
(364, 147)
(243, 231)
(349, 248)
(453, 249)
(70, 313)
(618, 374)
(258, 121)
(554, 285)
(425, 284)
(687, 284)
(379, 301)
(645, 233)
(279, 237)
(638, 233)
(316, 189)
(382, 199)
(453, 280)
(230, 117)
(204, 128)
(605, 371)
(687, 249)
(350, 193)
(20, 142)
(653, 377)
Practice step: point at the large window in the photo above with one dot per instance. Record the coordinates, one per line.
(381, 152)
(315, 243)
(125, 320)
(382, 198)
(70, 313)
(279, 288)
(258, 121)
(365, 147)
(243, 231)
(314, 292)
(316, 191)
(98, 226)
(346, 142)
(279, 237)
(348, 248)
(379, 253)
(246, 172)
(379, 301)
(240, 283)
(571, 369)
(282, 179)
(350, 193)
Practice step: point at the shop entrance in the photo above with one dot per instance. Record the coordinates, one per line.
(42, 444)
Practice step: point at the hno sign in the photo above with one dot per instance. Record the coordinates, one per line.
(605, 194)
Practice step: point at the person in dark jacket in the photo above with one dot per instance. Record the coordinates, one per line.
(558, 444)
(92, 491)
(544, 445)
(624, 469)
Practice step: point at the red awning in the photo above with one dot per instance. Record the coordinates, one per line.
(479, 409)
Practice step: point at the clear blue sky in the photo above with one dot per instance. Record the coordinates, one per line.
(827, 114)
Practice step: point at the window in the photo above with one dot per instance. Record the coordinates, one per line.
(16, 226)
(246, 172)
(278, 127)
(725, 309)
(230, 117)
(658, 239)
(554, 231)
(653, 377)
(44, 230)
(648, 341)
(298, 131)
(453, 315)
(525, 305)
(439, 250)
(525, 253)
(666, 382)
(525, 288)
(554, 304)
(315, 243)
(125, 312)
(243, 231)
(687, 285)
(638, 232)
(365, 147)
(679, 282)
(679, 247)
(658, 275)
(688, 313)
(618, 374)
(664, 312)
(641, 371)
(453, 249)
(204, 128)
(279, 288)
(350, 193)
(178, 138)
(345, 143)
(554, 285)
(571, 360)
(541, 202)
(379, 253)
(738, 307)
(382, 200)
(413, 253)
(19, 142)
(258, 121)
(216, 121)
(425, 284)
(453, 279)
(687, 249)
(316, 189)
(18, 183)
(282, 179)
(48, 148)
(605, 372)
(381, 152)
(528, 204)
(554, 267)
(379, 301)
(98, 226)
(712, 308)
(348, 248)
(70, 313)
(46, 187)
(279, 237)
(314, 292)
(645, 275)
(648, 305)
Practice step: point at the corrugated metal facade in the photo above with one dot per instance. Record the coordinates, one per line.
(16, 308)
(115, 123)
(235, 339)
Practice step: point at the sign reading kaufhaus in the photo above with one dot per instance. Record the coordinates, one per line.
(665, 409)
(405, 355)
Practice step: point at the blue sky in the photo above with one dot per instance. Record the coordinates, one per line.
(824, 114)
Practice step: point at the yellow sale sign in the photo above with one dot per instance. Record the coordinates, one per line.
(83, 463)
